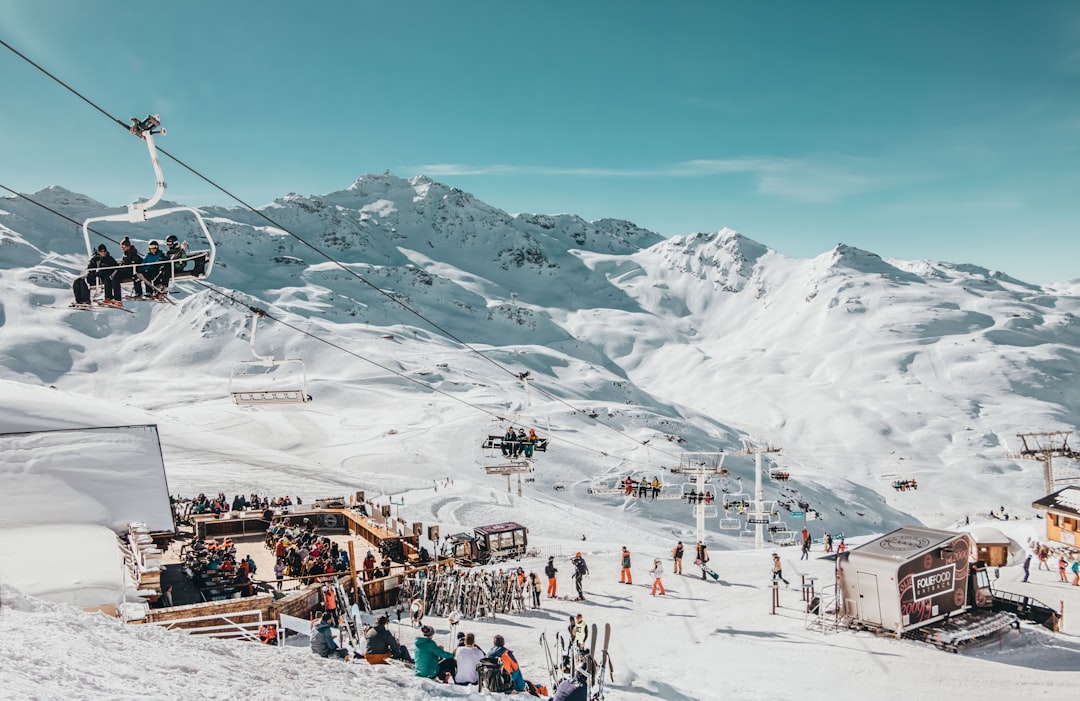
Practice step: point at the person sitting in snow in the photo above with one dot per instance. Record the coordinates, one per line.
(431, 660)
(322, 639)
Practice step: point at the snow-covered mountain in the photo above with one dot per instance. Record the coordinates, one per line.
(639, 348)
(858, 367)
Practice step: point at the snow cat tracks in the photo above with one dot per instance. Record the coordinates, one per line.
(972, 627)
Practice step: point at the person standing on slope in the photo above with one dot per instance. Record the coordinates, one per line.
(778, 569)
(624, 573)
(550, 571)
(534, 588)
(702, 558)
(657, 571)
(677, 554)
(580, 570)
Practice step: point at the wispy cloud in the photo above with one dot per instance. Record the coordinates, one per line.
(797, 179)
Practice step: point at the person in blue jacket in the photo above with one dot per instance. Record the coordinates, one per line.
(510, 664)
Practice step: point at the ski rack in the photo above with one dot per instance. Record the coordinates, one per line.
(139, 212)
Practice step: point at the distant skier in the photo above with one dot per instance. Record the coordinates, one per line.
(550, 571)
(657, 571)
(1027, 568)
(702, 559)
(580, 570)
(624, 574)
(805, 550)
(677, 554)
(778, 569)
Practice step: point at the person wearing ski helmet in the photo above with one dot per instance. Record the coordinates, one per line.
(176, 252)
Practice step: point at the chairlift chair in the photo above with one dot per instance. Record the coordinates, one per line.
(736, 501)
(727, 523)
(267, 381)
(140, 212)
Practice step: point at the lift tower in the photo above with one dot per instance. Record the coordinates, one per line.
(701, 467)
(1044, 447)
(760, 515)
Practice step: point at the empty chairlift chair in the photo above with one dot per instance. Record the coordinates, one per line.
(267, 381)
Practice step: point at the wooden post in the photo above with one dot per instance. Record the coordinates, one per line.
(775, 597)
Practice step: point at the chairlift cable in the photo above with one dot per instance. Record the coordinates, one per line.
(551, 396)
(263, 313)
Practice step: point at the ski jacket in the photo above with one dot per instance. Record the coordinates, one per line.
(580, 568)
(677, 552)
(178, 255)
(132, 258)
(510, 664)
(322, 640)
(570, 690)
(777, 566)
(97, 262)
(380, 641)
(702, 554)
(467, 657)
(151, 270)
(625, 559)
(657, 570)
(550, 570)
(427, 656)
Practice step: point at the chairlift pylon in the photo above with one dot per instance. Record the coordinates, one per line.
(266, 380)
(139, 212)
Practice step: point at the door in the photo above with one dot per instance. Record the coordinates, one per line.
(869, 605)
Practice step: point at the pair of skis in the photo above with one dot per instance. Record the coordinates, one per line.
(574, 657)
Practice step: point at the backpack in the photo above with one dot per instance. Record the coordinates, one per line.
(493, 677)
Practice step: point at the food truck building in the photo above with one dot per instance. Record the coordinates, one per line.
(905, 579)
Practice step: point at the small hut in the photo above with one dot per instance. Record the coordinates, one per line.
(1062, 515)
(990, 545)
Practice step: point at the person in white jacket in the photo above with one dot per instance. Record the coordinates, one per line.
(657, 571)
(467, 655)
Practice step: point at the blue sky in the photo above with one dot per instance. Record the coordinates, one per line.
(920, 130)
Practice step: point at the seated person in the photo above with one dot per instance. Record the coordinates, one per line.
(133, 261)
(380, 641)
(467, 655)
(156, 270)
(322, 639)
(509, 662)
(431, 660)
(574, 688)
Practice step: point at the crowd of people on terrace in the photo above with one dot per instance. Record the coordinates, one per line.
(300, 552)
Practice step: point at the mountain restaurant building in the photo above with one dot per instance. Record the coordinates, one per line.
(905, 579)
(1062, 516)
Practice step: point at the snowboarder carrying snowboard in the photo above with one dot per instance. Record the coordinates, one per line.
(702, 557)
